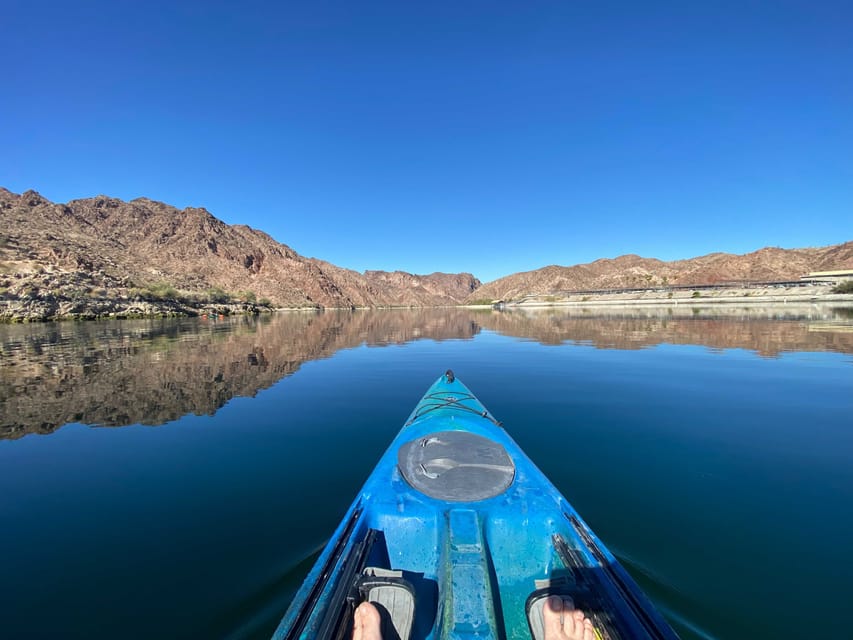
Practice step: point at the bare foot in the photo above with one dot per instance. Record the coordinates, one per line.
(366, 623)
(562, 622)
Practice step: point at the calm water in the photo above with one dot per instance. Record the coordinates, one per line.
(175, 479)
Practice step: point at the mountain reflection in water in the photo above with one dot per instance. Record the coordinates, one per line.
(155, 371)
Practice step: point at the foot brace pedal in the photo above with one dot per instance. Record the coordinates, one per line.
(393, 596)
(536, 603)
(567, 589)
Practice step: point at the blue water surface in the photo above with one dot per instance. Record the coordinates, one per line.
(718, 471)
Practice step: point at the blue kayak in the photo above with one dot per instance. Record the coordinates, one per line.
(458, 535)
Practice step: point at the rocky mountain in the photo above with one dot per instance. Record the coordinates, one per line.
(632, 271)
(61, 257)
(102, 256)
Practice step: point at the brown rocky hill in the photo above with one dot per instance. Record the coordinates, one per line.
(103, 256)
(103, 246)
(632, 271)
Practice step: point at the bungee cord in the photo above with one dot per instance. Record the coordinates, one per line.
(445, 400)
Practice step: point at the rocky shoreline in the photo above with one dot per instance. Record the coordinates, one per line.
(693, 296)
(33, 303)
(55, 309)
(36, 307)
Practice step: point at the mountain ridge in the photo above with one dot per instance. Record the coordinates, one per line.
(634, 271)
(105, 256)
(104, 243)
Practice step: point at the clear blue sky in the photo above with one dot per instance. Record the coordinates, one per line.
(489, 137)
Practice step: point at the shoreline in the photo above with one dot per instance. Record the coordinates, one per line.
(685, 298)
(694, 297)
(116, 309)
(694, 302)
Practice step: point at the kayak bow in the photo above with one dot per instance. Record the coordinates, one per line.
(457, 534)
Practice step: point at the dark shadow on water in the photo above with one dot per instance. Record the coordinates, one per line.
(257, 617)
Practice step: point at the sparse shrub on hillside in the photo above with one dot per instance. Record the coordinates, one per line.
(696, 294)
(217, 296)
(843, 287)
(213, 295)
(160, 291)
(266, 302)
(77, 295)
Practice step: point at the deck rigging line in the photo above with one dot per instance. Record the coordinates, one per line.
(445, 400)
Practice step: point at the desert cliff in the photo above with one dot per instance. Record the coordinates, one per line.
(94, 255)
(104, 257)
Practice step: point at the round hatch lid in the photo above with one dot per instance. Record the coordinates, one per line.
(456, 465)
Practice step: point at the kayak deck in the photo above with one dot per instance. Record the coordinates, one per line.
(473, 531)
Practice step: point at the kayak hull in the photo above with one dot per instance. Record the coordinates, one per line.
(476, 533)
